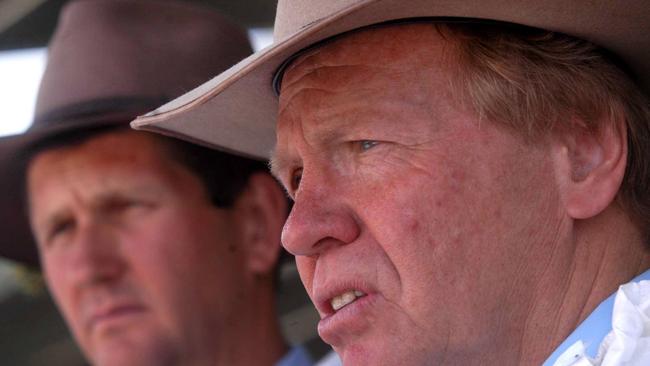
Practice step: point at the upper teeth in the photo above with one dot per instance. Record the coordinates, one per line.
(345, 299)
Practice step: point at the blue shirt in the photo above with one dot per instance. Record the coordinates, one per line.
(297, 356)
(592, 330)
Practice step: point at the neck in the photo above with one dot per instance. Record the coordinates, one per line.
(266, 341)
(603, 253)
(255, 337)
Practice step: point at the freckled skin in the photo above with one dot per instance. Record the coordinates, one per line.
(457, 225)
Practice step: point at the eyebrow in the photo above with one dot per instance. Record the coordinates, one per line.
(277, 164)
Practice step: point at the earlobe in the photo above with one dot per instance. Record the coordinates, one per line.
(594, 164)
(262, 209)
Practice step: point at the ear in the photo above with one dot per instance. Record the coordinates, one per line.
(261, 210)
(592, 167)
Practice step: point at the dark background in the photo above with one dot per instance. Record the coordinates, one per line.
(29, 23)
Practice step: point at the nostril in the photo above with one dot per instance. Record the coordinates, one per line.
(326, 243)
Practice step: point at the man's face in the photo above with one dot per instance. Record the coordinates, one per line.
(145, 270)
(441, 222)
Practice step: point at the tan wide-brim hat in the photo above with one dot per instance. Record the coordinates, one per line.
(108, 61)
(243, 97)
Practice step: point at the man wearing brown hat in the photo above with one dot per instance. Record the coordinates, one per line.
(156, 251)
(470, 178)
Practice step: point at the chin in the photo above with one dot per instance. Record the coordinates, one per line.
(388, 353)
(357, 357)
(126, 352)
(130, 359)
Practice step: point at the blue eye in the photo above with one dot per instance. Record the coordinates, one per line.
(367, 144)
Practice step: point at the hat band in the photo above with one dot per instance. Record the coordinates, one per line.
(279, 73)
(94, 109)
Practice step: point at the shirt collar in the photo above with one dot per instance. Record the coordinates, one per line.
(592, 330)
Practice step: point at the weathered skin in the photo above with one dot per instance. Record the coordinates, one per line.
(474, 246)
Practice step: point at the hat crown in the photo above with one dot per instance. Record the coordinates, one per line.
(134, 49)
(109, 61)
(604, 22)
(294, 15)
(620, 27)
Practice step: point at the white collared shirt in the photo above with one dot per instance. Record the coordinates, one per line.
(628, 342)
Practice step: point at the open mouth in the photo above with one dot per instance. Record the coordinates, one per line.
(345, 299)
(347, 313)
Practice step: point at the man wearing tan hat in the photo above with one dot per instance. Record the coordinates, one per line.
(156, 251)
(470, 178)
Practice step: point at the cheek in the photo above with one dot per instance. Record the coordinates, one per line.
(185, 241)
(416, 213)
(61, 287)
(57, 280)
(177, 235)
(178, 257)
(166, 250)
(437, 227)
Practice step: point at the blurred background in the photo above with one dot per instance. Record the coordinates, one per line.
(31, 330)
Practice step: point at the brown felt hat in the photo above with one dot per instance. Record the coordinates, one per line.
(243, 97)
(108, 61)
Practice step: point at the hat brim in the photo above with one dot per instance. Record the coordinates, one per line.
(236, 110)
(16, 241)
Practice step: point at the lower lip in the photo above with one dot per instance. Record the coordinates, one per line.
(352, 318)
(116, 317)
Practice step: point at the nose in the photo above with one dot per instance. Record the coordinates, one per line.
(319, 218)
(96, 255)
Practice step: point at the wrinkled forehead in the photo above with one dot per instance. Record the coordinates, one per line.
(389, 49)
(380, 71)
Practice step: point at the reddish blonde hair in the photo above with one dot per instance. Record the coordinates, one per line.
(537, 82)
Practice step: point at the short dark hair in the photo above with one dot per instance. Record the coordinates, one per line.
(223, 175)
